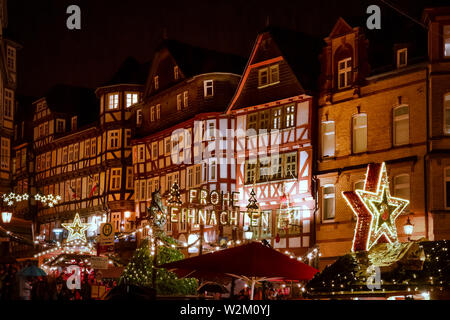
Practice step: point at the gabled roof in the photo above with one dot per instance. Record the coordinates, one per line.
(195, 60)
(130, 72)
(299, 50)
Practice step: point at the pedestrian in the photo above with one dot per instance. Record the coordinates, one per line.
(25, 289)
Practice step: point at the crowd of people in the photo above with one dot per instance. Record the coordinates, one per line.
(14, 286)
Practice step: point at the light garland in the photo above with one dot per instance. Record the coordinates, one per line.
(12, 198)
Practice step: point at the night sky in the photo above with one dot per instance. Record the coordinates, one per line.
(113, 30)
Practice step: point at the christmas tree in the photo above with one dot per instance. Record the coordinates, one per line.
(140, 270)
(175, 196)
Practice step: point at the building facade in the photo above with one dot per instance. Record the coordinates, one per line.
(391, 115)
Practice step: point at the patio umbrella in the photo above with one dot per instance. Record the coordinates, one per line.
(32, 271)
(212, 287)
(254, 262)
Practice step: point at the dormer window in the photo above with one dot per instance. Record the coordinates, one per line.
(74, 123)
(446, 32)
(176, 73)
(113, 101)
(156, 82)
(268, 76)
(402, 57)
(344, 73)
(208, 88)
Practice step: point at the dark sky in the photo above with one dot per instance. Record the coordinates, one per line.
(112, 30)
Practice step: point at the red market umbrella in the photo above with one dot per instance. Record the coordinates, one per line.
(251, 261)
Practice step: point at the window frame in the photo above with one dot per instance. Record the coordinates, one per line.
(114, 103)
(355, 128)
(444, 41)
(347, 71)
(399, 53)
(396, 185)
(323, 203)
(446, 107)
(127, 98)
(395, 119)
(208, 84)
(116, 176)
(333, 133)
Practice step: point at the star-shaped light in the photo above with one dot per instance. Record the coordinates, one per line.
(376, 210)
(76, 229)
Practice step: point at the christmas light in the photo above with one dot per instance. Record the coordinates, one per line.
(376, 210)
(76, 229)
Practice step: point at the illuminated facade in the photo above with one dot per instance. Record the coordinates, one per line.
(393, 111)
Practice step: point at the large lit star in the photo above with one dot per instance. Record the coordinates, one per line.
(76, 229)
(376, 210)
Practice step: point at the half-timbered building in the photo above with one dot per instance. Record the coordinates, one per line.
(273, 111)
(83, 152)
(178, 128)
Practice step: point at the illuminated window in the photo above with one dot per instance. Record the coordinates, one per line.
(87, 148)
(168, 145)
(446, 37)
(176, 72)
(116, 219)
(263, 77)
(328, 139)
(65, 155)
(93, 147)
(401, 125)
(156, 82)
(290, 116)
(211, 134)
(359, 133)
(70, 153)
(344, 72)
(208, 88)
(276, 118)
(447, 113)
(328, 202)
(402, 57)
(113, 138)
(116, 175)
(113, 101)
(143, 194)
(9, 103)
(132, 98)
(264, 169)
(274, 74)
(169, 181)
(154, 150)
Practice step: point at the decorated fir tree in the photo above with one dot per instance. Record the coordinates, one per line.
(174, 196)
(252, 202)
(139, 270)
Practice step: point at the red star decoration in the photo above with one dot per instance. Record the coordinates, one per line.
(376, 210)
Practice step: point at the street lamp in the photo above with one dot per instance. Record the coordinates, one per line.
(408, 228)
(6, 217)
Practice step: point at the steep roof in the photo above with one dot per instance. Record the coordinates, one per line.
(194, 60)
(301, 51)
(130, 72)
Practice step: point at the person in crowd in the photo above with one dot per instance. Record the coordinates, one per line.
(25, 289)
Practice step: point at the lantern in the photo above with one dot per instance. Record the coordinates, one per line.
(127, 214)
(6, 217)
(408, 228)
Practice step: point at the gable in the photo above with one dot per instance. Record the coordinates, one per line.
(340, 28)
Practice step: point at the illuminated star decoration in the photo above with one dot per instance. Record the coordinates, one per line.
(376, 210)
(76, 229)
